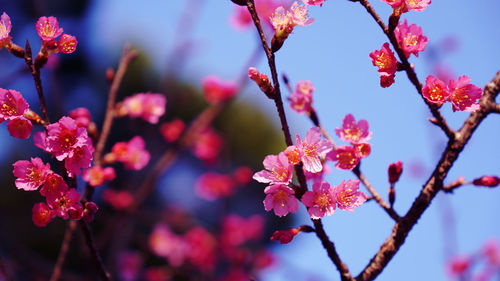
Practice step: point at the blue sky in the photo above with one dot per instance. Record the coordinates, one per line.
(333, 54)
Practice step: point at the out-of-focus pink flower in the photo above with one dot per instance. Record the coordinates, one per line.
(410, 38)
(129, 264)
(363, 149)
(282, 199)
(346, 156)
(435, 90)
(321, 200)
(64, 137)
(62, 203)
(489, 181)
(491, 251)
(242, 175)
(164, 243)
(208, 145)
(237, 230)
(89, 211)
(53, 186)
(263, 259)
(132, 153)
(202, 248)
(119, 200)
(48, 28)
(278, 170)
(67, 44)
(301, 100)
(5, 27)
(241, 19)
(217, 91)
(300, 14)
(81, 158)
(30, 174)
(313, 149)
(458, 265)
(284, 236)
(354, 132)
(171, 131)
(394, 171)
(20, 128)
(81, 115)
(212, 186)
(348, 196)
(97, 175)
(148, 106)
(12, 104)
(464, 95)
(416, 5)
(314, 2)
(385, 60)
(42, 214)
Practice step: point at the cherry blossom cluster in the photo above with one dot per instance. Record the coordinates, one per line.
(481, 266)
(48, 29)
(13, 108)
(241, 18)
(132, 154)
(462, 95)
(283, 22)
(410, 39)
(148, 106)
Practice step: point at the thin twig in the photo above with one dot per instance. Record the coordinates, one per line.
(61, 257)
(35, 72)
(89, 239)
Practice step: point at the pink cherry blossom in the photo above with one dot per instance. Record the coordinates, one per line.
(62, 203)
(81, 158)
(202, 248)
(313, 149)
(64, 137)
(491, 251)
(53, 186)
(67, 44)
(463, 95)
(30, 174)
(171, 131)
(294, 154)
(20, 128)
(386, 80)
(320, 200)
(354, 132)
(348, 196)
(278, 170)
(384, 60)
(164, 243)
(346, 156)
(82, 117)
(394, 3)
(416, 5)
(12, 104)
(5, 27)
(208, 145)
(314, 2)
(301, 100)
(211, 186)
(48, 28)
(243, 175)
(237, 230)
(410, 38)
(132, 153)
(42, 214)
(282, 199)
(96, 175)
(435, 90)
(282, 22)
(119, 200)
(148, 106)
(300, 14)
(284, 236)
(217, 91)
(363, 149)
(241, 19)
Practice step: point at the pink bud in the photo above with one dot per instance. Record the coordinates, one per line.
(284, 236)
(489, 181)
(395, 170)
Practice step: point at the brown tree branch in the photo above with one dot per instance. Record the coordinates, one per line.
(35, 72)
(61, 257)
(89, 239)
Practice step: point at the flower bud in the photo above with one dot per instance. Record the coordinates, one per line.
(489, 181)
(395, 170)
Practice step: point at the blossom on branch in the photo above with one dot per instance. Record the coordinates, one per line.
(282, 199)
(67, 44)
(284, 236)
(410, 38)
(353, 132)
(42, 214)
(278, 170)
(387, 64)
(348, 196)
(346, 156)
(30, 174)
(313, 149)
(148, 106)
(321, 200)
(301, 100)
(435, 90)
(48, 28)
(464, 95)
(132, 153)
(5, 27)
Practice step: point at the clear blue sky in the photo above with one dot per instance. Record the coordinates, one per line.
(333, 54)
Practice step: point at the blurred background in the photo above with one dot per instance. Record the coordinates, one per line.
(182, 42)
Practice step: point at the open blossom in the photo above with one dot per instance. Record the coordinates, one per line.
(278, 170)
(464, 95)
(416, 5)
(81, 158)
(53, 186)
(218, 91)
(321, 200)
(435, 90)
(148, 106)
(20, 128)
(48, 28)
(30, 174)
(294, 154)
(348, 196)
(12, 104)
(354, 132)
(42, 214)
(282, 199)
(301, 100)
(67, 44)
(300, 14)
(385, 60)
(132, 153)
(313, 149)
(63, 203)
(346, 156)
(410, 38)
(241, 18)
(64, 137)
(211, 186)
(363, 149)
(282, 22)
(313, 2)
(5, 27)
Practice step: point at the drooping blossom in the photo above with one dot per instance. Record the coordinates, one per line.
(67, 44)
(132, 153)
(321, 200)
(354, 132)
(464, 95)
(386, 80)
(42, 214)
(20, 128)
(62, 203)
(211, 186)
(314, 2)
(96, 175)
(410, 38)
(217, 91)
(5, 27)
(30, 174)
(395, 170)
(313, 149)
(348, 196)
(278, 170)
(148, 106)
(489, 181)
(53, 185)
(12, 104)
(346, 156)
(282, 199)
(387, 64)
(64, 137)
(118, 199)
(48, 28)
(164, 243)
(171, 131)
(435, 90)
(284, 236)
(301, 100)
(202, 248)
(81, 158)
(208, 145)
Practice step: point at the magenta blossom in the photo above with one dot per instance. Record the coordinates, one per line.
(211, 186)
(435, 90)
(30, 174)
(348, 196)
(48, 28)
(384, 60)
(148, 106)
(314, 2)
(133, 153)
(42, 214)
(5, 27)
(300, 14)
(313, 149)
(281, 198)
(20, 128)
(278, 170)
(164, 243)
(81, 158)
(63, 203)
(12, 104)
(218, 91)
(416, 5)
(64, 137)
(301, 100)
(241, 19)
(464, 95)
(410, 38)
(53, 186)
(320, 200)
(353, 132)
(67, 44)
(347, 157)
